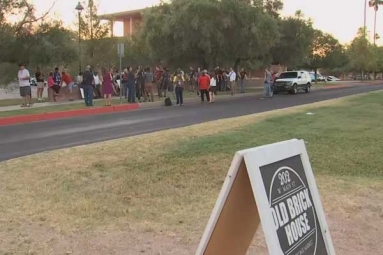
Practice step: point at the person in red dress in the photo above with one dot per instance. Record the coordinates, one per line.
(107, 86)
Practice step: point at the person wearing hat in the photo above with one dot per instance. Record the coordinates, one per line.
(23, 77)
(204, 83)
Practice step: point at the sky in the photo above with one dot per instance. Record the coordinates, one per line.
(341, 18)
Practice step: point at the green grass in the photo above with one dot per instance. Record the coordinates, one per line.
(170, 180)
(341, 140)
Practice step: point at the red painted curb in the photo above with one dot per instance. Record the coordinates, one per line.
(66, 114)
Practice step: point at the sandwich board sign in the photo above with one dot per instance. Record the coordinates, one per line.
(274, 186)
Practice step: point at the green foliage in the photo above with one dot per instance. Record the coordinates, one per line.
(361, 54)
(273, 7)
(207, 32)
(93, 31)
(295, 43)
(326, 52)
(44, 45)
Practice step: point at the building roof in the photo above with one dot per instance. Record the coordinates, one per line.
(120, 16)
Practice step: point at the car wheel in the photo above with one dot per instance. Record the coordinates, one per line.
(308, 88)
(295, 89)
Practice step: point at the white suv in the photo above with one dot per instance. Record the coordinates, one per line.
(293, 81)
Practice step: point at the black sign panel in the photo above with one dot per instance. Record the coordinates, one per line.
(292, 207)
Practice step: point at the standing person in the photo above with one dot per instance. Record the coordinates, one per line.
(219, 77)
(165, 81)
(267, 84)
(224, 86)
(117, 82)
(197, 75)
(57, 77)
(232, 79)
(107, 85)
(179, 83)
(97, 84)
(191, 79)
(159, 74)
(23, 77)
(124, 82)
(149, 78)
(140, 83)
(69, 82)
(88, 82)
(79, 79)
(243, 77)
(213, 87)
(204, 83)
(40, 84)
(131, 86)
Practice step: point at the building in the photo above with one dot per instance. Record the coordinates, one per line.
(131, 20)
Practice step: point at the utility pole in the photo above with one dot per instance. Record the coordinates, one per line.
(365, 18)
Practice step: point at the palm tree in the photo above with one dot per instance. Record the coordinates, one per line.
(375, 4)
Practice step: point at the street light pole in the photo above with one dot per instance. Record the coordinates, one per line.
(79, 8)
(365, 18)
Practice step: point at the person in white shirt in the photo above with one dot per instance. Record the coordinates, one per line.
(97, 84)
(213, 87)
(23, 77)
(232, 81)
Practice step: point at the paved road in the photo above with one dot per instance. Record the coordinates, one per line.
(26, 139)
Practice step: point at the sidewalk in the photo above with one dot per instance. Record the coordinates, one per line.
(158, 103)
(37, 105)
(41, 116)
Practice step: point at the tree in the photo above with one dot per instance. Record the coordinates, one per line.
(326, 52)
(361, 53)
(92, 29)
(18, 40)
(186, 31)
(53, 45)
(295, 43)
(273, 7)
(375, 4)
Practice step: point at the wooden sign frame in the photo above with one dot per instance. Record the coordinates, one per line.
(243, 203)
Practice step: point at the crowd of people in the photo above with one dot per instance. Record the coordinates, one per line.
(139, 83)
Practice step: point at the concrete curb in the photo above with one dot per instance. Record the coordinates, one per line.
(66, 114)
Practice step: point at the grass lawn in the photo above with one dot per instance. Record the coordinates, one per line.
(166, 183)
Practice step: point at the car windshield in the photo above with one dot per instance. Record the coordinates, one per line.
(288, 75)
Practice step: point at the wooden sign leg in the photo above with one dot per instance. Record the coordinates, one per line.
(238, 221)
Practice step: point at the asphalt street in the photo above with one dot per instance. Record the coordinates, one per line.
(26, 139)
